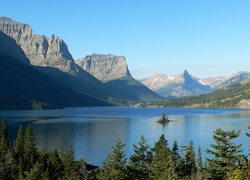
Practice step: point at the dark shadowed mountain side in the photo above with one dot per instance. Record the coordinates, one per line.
(113, 71)
(23, 87)
(50, 56)
(176, 86)
(131, 89)
(233, 96)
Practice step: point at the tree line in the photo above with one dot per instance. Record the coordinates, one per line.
(22, 160)
(227, 97)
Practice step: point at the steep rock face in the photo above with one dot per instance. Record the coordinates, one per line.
(24, 87)
(114, 72)
(105, 67)
(40, 50)
(179, 85)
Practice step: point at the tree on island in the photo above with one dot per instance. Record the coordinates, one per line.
(164, 119)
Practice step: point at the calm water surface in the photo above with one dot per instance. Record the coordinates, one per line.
(94, 130)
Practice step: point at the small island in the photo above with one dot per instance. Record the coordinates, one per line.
(164, 119)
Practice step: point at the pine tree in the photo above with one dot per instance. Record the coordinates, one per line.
(140, 162)
(30, 150)
(83, 170)
(161, 160)
(70, 164)
(199, 170)
(4, 138)
(37, 172)
(55, 166)
(175, 152)
(114, 167)
(175, 156)
(190, 160)
(19, 149)
(225, 153)
(8, 169)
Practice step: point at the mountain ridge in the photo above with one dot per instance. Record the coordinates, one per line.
(182, 84)
(24, 86)
(51, 57)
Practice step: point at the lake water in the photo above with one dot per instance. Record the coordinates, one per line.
(94, 130)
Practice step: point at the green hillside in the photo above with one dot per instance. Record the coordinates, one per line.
(233, 96)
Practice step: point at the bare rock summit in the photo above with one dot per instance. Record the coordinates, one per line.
(105, 67)
(40, 50)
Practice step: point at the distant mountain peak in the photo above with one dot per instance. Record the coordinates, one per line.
(182, 84)
(185, 72)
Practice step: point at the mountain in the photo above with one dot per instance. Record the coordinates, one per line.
(51, 57)
(40, 50)
(179, 85)
(24, 87)
(223, 81)
(113, 71)
(232, 96)
(105, 67)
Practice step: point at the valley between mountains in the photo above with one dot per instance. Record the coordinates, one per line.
(39, 72)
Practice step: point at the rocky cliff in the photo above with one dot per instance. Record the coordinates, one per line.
(40, 50)
(105, 67)
(113, 71)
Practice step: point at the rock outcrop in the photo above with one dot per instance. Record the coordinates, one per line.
(105, 67)
(40, 50)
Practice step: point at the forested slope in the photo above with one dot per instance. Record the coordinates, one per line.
(233, 96)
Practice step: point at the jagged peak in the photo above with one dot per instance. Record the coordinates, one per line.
(185, 72)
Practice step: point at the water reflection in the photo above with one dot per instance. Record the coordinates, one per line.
(93, 131)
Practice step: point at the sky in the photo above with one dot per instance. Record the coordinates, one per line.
(207, 38)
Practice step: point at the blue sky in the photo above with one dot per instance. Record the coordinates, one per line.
(206, 37)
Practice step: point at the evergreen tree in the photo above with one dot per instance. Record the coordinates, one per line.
(190, 160)
(114, 167)
(83, 171)
(70, 164)
(161, 160)
(175, 152)
(19, 149)
(225, 153)
(55, 166)
(8, 169)
(30, 150)
(140, 162)
(4, 138)
(175, 156)
(199, 170)
(36, 172)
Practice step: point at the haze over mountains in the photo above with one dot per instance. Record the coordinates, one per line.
(51, 59)
(185, 84)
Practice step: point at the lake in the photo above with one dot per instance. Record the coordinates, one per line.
(94, 130)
